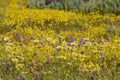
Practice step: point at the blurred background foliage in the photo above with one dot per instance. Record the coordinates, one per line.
(85, 6)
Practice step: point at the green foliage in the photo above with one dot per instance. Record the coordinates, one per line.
(104, 6)
(85, 6)
(36, 4)
(64, 5)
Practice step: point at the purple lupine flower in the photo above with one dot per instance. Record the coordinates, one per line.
(90, 40)
(41, 65)
(113, 57)
(108, 39)
(82, 41)
(48, 60)
(72, 39)
(32, 63)
(103, 58)
(69, 44)
(36, 74)
(99, 41)
(18, 78)
(25, 40)
(21, 44)
(1, 79)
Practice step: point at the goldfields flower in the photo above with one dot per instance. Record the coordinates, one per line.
(6, 38)
(49, 39)
(15, 60)
(36, 41)
(59, 47)
(62, 57)
(19, 66)
(69, 63)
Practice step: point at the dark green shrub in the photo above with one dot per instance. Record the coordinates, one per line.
(103, 6)
(85, 6)
(56, 4)
(36, 4)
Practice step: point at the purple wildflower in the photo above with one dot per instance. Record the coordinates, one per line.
(82, 41)
(99, 41)
(69, 44)
(72, 39)
(41, 65)
(32, 63)
(25, 40)
(1, 79)
(113, 57)
(108, 39)
(36, 74)
(18, 78)
(48, 60)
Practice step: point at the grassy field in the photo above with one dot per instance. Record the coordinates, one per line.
(44, 44)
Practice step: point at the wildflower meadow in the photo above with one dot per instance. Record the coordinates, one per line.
(54, 44)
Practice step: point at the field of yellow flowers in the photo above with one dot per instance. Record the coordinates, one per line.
(58, 45)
